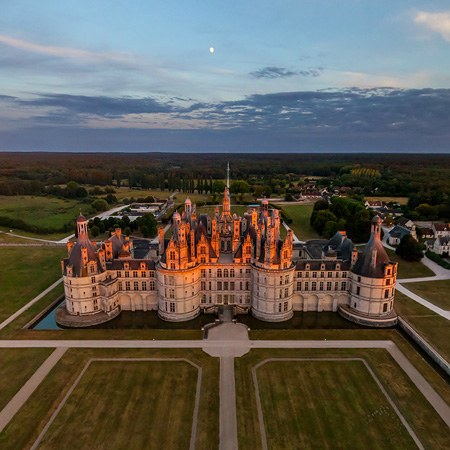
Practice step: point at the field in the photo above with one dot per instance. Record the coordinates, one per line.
(308, 407)
(25, 272)
(437, 292)
(179, 197)
(434, 328)
(408, 269)
(17, 365)
(143, 404)
(300, 215)
(47, 212)
(331, 404)
(399, 200)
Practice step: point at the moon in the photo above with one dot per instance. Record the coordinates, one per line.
(211, 50)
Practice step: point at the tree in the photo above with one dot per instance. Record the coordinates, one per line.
(147, 225)
(100, 205)
(321, 218)
(95, 231)
(409, 249)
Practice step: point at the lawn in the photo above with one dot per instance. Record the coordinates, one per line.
(143, 404)
(48, 212)
(300, 215)
(409, 269)
(332, 404)
(434, 328)
(437, 292)
(179, 197)
(324, 404)
(25, 272)
(17, 366)
(118, 404)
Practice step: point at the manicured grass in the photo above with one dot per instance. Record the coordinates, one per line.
(17, 366)
(138, 404)
(25, 272)
(324, 406)
(408, 269)
(437, 292)
(434, 328)
(300, 215)
(122, 405)
(48, 212)
(22, 234)
(328, 405)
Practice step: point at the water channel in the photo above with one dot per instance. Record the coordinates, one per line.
(150, 320)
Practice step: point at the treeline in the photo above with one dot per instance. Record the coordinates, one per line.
(145, 224)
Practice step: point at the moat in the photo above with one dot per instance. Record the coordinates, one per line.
(150, 320)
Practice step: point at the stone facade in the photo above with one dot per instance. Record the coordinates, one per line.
(246, 262)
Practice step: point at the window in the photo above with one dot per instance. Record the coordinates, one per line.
(202, 260)
(127, 274)
(358, 290)
(225, 285)
(386, 293)
(92, 279)
(152, 274)
(359, 279)
(203, 285)
(247, 285)
(240, 285)
(388, 281)
(247, 270)
(285, 306)
(171, 293)
(225, 273)
(203, 273)
(172, 255)
(127, 286)
(219, 273)
(219, 298)
(329, 285)
(232, 273)
(219, 285)
(314, 274)
(144, 285)
(135, 274)
(330, 274)
(120, 285)
(343, 285)
(344, 274)
(306, 285)
(142, 273)
(118, 273)
(279, 307)
(299, 285)
(152, 286)
(286, 292)
(336, 286)
(136, 286)
(314, 286)
(203, 298)
(322, 274)
(306, 274)
(299, 274)
(385, 306)
(172, 307)
(232, 285)
(321, 286)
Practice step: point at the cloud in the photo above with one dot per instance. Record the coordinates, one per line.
(272, 72)
(109, 107)
(437, 22)
(63, 52)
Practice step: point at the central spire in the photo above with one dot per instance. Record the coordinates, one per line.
(228, 174)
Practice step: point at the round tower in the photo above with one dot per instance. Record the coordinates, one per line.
(372, 284)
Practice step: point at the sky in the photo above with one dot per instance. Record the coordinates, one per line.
(284, 76)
